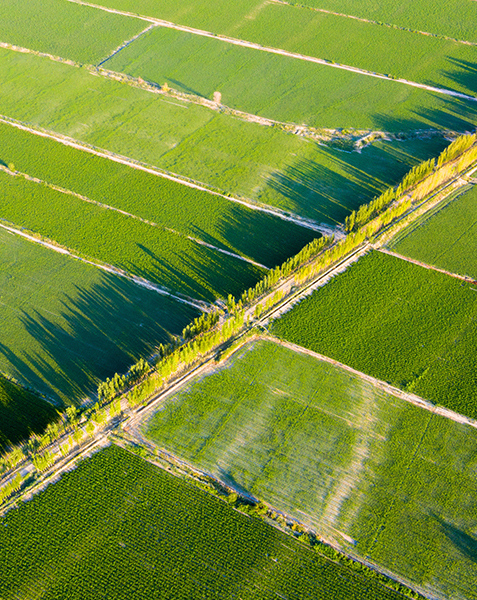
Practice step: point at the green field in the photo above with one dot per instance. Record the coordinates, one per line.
(119, 527)
(195, 141)
(211, 218)
(339, 454)
(278, 86)
(65, 29)
(447, 238)
(165, 258)
(21, 413)
(453, 18)
(396, 321)
(66, 325)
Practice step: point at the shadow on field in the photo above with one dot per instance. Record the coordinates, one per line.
(466, 543)
(101, 330)
(226, 477)
(465, 75)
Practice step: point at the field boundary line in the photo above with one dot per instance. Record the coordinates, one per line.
(279, 51)
(131, 215)
(373, 22)
(158, 172)
(426, 265)
(378, 383)
(199, 304)
(127, 43)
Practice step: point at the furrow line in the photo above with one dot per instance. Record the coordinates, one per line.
(199, 304)
(279, 51)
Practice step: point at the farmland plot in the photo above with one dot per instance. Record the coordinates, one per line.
(447, 238)
(191, 212)
(119, 527)
(384, 479)
(396, 321)
(66, 325)
(453, 18)
(64, 29)
(195, 141)
(281, 87)
(167, 259)
(21, 413)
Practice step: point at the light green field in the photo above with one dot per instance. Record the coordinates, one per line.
(453, 18)
(65, 29)
(66, 325)
(208, 217)
(341, 455)
(446, 239)
(195, 141)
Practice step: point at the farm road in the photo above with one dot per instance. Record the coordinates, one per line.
(269, 49)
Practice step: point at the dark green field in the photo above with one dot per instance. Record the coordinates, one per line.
(396, 321)
(118, 527)
(21, 413)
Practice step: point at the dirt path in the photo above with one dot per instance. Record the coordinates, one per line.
(199, 304)
(371, 22)
(426, 266)
(271, 50)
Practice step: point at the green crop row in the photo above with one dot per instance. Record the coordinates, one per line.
(64, 29)
(119, 527)
(396, 321)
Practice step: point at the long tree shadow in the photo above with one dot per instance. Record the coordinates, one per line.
(464, 542)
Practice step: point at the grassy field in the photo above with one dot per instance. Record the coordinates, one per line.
(453, 18)
(192, 212)
(120, 527)
(65, 29)
(399, 322)
(447, 238)
(21, 412)
(195, 141)
(65, 325)
(352, 461)
(160, 256)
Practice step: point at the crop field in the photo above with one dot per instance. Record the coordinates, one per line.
(120, 527)
(195, 141)
(453, 18)
(240, 73)
(66, 325)
(160, 256)
(446, 239)
(382, 477)
(210, 218)
(21, 412)
(412, 327)
(65, 29)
